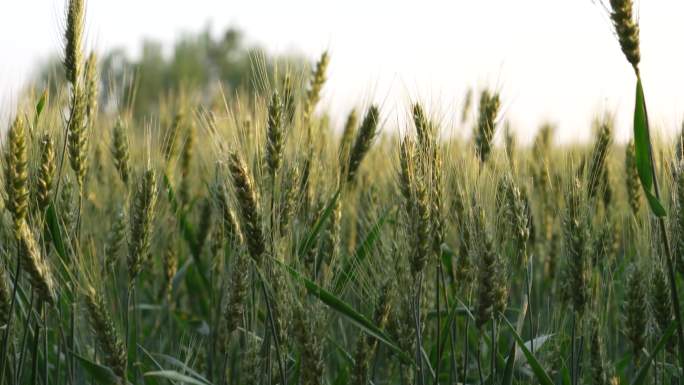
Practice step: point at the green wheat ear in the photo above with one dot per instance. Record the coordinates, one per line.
(486, 124)
(106, 333)
(363, 141)
(632, 179)
(142, 216)
(248, 205)
(274, 136)
(73, 55)
(120, 150)
(5, 296)
(16, 171)
(627, 30)
(46, 172)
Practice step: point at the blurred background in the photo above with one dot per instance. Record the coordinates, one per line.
(554, 61)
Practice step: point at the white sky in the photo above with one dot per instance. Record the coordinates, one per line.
(552, 60)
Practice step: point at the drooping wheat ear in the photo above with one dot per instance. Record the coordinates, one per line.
(347, 137)
(46, 172)
(289, 101)
(248, 203)
(632, 179)
(170, 269)
(16, 171)
(635, 316)
(141, 218)
(597, 163)
(34, 264)
(92, 88)
(116, 239)
(575, 234)
(627, 30)
(76, 135)
(596, 368)
(318, 78)
(275, 136)
(661, 302)
(120, 150)
(106, 333)
(170, 141)
(363, 141)
(366, 345)
(486, 124)
(5, 296)
(492, 291)
(73, 55)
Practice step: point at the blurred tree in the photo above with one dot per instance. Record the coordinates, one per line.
(198, 62)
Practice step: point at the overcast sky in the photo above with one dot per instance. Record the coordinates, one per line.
(554, 60)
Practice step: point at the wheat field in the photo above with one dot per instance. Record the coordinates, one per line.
(244, 239)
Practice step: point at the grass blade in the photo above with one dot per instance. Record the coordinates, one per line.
(537, 368)
(643, 371)
(642, 151)
(345, 309)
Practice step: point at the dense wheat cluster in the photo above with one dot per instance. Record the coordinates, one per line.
(243, 239)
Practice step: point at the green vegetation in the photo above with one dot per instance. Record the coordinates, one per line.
(246, 242)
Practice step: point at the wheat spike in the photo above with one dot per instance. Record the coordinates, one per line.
(248, 204)
(35, 265)
(120, 150)
(627, 30)
(363, 141)
(16, 171)
(73, 55)
(105, 332)
(141, 217)
(46, 172)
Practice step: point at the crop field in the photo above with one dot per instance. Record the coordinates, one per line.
(243, 239)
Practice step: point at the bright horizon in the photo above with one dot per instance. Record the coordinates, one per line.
(552, 61)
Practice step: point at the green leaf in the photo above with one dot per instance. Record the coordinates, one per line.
(187, 231)
(55, 231)
(642, 151)
(510, 365)
(537, 368)
(362, 251)
(100, 373)
(313, 234)
(643, 371)
(40, 106)
(346, 310)
(173, 375)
